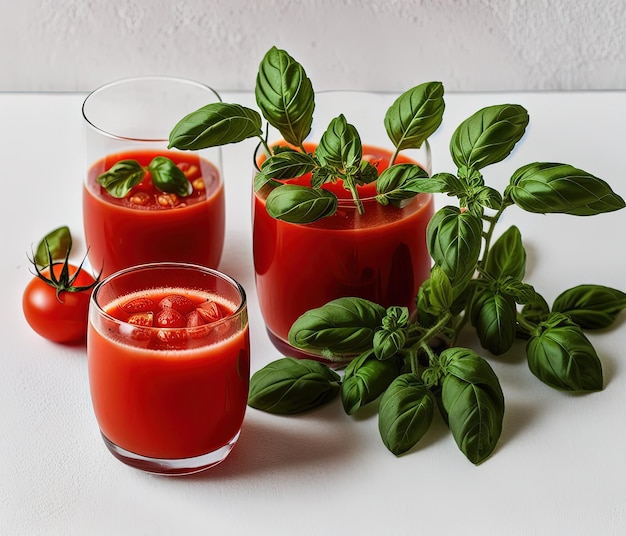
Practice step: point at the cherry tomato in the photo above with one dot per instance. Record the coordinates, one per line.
(61, 318)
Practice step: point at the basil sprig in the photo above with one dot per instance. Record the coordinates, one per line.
(284, 94)
(124, 175)
(411, 362)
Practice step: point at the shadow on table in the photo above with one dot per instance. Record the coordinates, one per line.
(278, 443)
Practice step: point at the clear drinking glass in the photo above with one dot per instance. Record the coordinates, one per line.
(130, 120)
(380, 255)
(169, 365)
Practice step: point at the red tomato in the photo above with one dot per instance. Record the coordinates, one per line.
(62, 318)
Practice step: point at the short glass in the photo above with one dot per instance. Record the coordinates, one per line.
(169, 395)
(131, 119)
(380, 255)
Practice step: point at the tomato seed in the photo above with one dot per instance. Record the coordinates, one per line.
(139, 198)
(198, 184)
(167, 200)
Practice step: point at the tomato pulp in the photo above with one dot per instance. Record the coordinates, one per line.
(148, 227)
(170, 393)
(380, 255)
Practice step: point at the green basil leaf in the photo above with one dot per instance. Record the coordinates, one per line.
(366, 174)
(122, 177)
(399, 182)
(507, 256)
(168, 177)
(535, 311)
(521, 292)
(388, 342)
(441, 292)
(493, 315)
(415, 115)
(53, 247)
(340, 147)
(300, 204)
(544, 187)
(215, 124)
(428, 308)
(561, 356)
(405, 413)
(591, 306)
(285, 95)
(454, 241)
(344, 326)
(322, 175)
(487, 197)
(444, 183)
(284, 165)
(488, 136)
(473, 401)
(365, 379)
(290, 385)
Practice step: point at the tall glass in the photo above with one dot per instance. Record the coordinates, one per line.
(169, 365)
(130, 120)
(380, 255)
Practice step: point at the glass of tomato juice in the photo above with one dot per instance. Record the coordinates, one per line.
(168, 355)
(380, 255)
(136, 207)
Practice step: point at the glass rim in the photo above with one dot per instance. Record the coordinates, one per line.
(133, 79)
(169, 265)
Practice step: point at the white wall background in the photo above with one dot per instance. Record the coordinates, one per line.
(76, 45)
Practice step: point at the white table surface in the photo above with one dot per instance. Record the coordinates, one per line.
(559, 468)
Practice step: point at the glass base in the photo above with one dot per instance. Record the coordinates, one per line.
(289, 351)
(173, 467)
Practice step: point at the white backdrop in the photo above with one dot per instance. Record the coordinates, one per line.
(470, 45)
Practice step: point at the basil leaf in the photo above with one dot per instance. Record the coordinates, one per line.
(405, 413)
(365, 379)
(591, 306)
(441, 292)
(344, 326)
(168, 177)
(284, 165)
(493, 315)
(439, 183)
(122, 177)
(544, 187)
(473, 401)
(428, 307)
(399, 182)
(561, 356)
(536, 311)
(285, 95)
(366, 174)
(53, 247)
(507, 256)
(488, 136)
(340, 147)
(215, 124)
(454, 241)
(300, 204)
(289, 386)
(415, 115)
(487, 197)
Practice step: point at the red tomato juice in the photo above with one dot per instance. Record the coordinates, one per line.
(168, 401)
(380, 255)
(123, 232)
